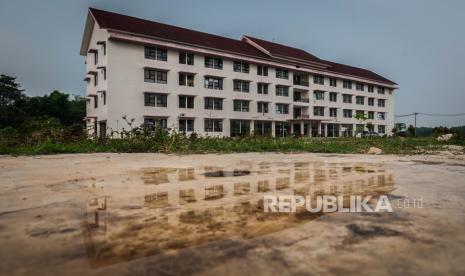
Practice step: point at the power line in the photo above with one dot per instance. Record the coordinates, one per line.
(431, 114)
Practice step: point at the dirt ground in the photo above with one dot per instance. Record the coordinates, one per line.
(132, 214)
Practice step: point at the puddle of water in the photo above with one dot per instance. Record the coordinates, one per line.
(186, 207)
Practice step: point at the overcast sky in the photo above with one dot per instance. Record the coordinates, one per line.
(418, 44)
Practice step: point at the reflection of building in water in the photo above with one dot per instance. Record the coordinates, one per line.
(189, 206)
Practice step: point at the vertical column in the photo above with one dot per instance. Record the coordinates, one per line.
(319, 129)
(251, 127)
(326, 130)
(273, 129)
(301, 128)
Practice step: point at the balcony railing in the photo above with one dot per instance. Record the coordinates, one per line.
(301, 116)
(301, 83)
(302, 100)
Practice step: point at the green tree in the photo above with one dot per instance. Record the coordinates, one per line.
(11, 101)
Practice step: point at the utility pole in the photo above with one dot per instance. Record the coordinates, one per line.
(415, 130)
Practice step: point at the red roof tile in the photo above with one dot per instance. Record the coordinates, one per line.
(110, 20)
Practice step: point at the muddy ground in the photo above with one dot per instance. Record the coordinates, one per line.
(131, 214)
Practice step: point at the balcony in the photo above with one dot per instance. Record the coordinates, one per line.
(301, 116)
(301, 100)
(301, 82)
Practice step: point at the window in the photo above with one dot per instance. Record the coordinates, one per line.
(333, 112)
(381, 129)
(360, 100)
(95, 102)
(186, 58)
(155, 122)
(104, 72)
(381, 116)
(95, 79)
(214, 83)
(333, 97)
(262, 107)
(282, 108)
(262, 88)
(213, 62)
(282, 73)
(186, 79)
(282, 90)
(155, 76)
(347, 84)
(318, 111)
(380, 90)
(359, 113)
(371, 88)
(240, 127)
(155, 99)
(346, 98)
(239, 66)
(241, 86)
(186, 125)
(156, 53)
(319, 95)
(381, 103)
(359, 86)
(371, 101)
(213, 103)
(262, 128)
(318, 79)
(282, 129)
(333, 82)
(371, 115)
(262, 70)
(213, 125)
(241, 105)
(104, 97)
(347, 113)
(186, 101)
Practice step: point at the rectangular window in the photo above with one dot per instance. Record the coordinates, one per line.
(241, 105)
(381, 116)
(346, 98)
(347, 84)
(95, 79)
(347, 113)
(282, 73)
(381, 103)
(214, 83)
(95, 102)
(262, 70)
(155, 122)
(186, 101)
(359, 113)
(318, 111)
(240, 86)
(333, 112)
(213, 103)
(282, 129)
(240, 66)
(155, 99)
(186, 79)
(333, 82)
(213, 125)
(359, 86)
(371, 115)
(371, 88)
(155, 76)
(380, 90)
(262, 128)
(186, 58)
(371, 101)
(333, 97)
(319, 95)
(318, 79)
(186, 125)
(240, 128)
(282, 108)
(381, 129)
(360, 100)
(262, 88)
(262, 107)
(213, 62)
(156, 53)
(282, 90)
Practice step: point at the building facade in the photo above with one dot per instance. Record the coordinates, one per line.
(144, 73)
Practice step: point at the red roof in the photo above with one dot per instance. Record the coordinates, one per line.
(115, 21)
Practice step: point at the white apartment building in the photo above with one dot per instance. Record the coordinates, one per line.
(158, 74)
